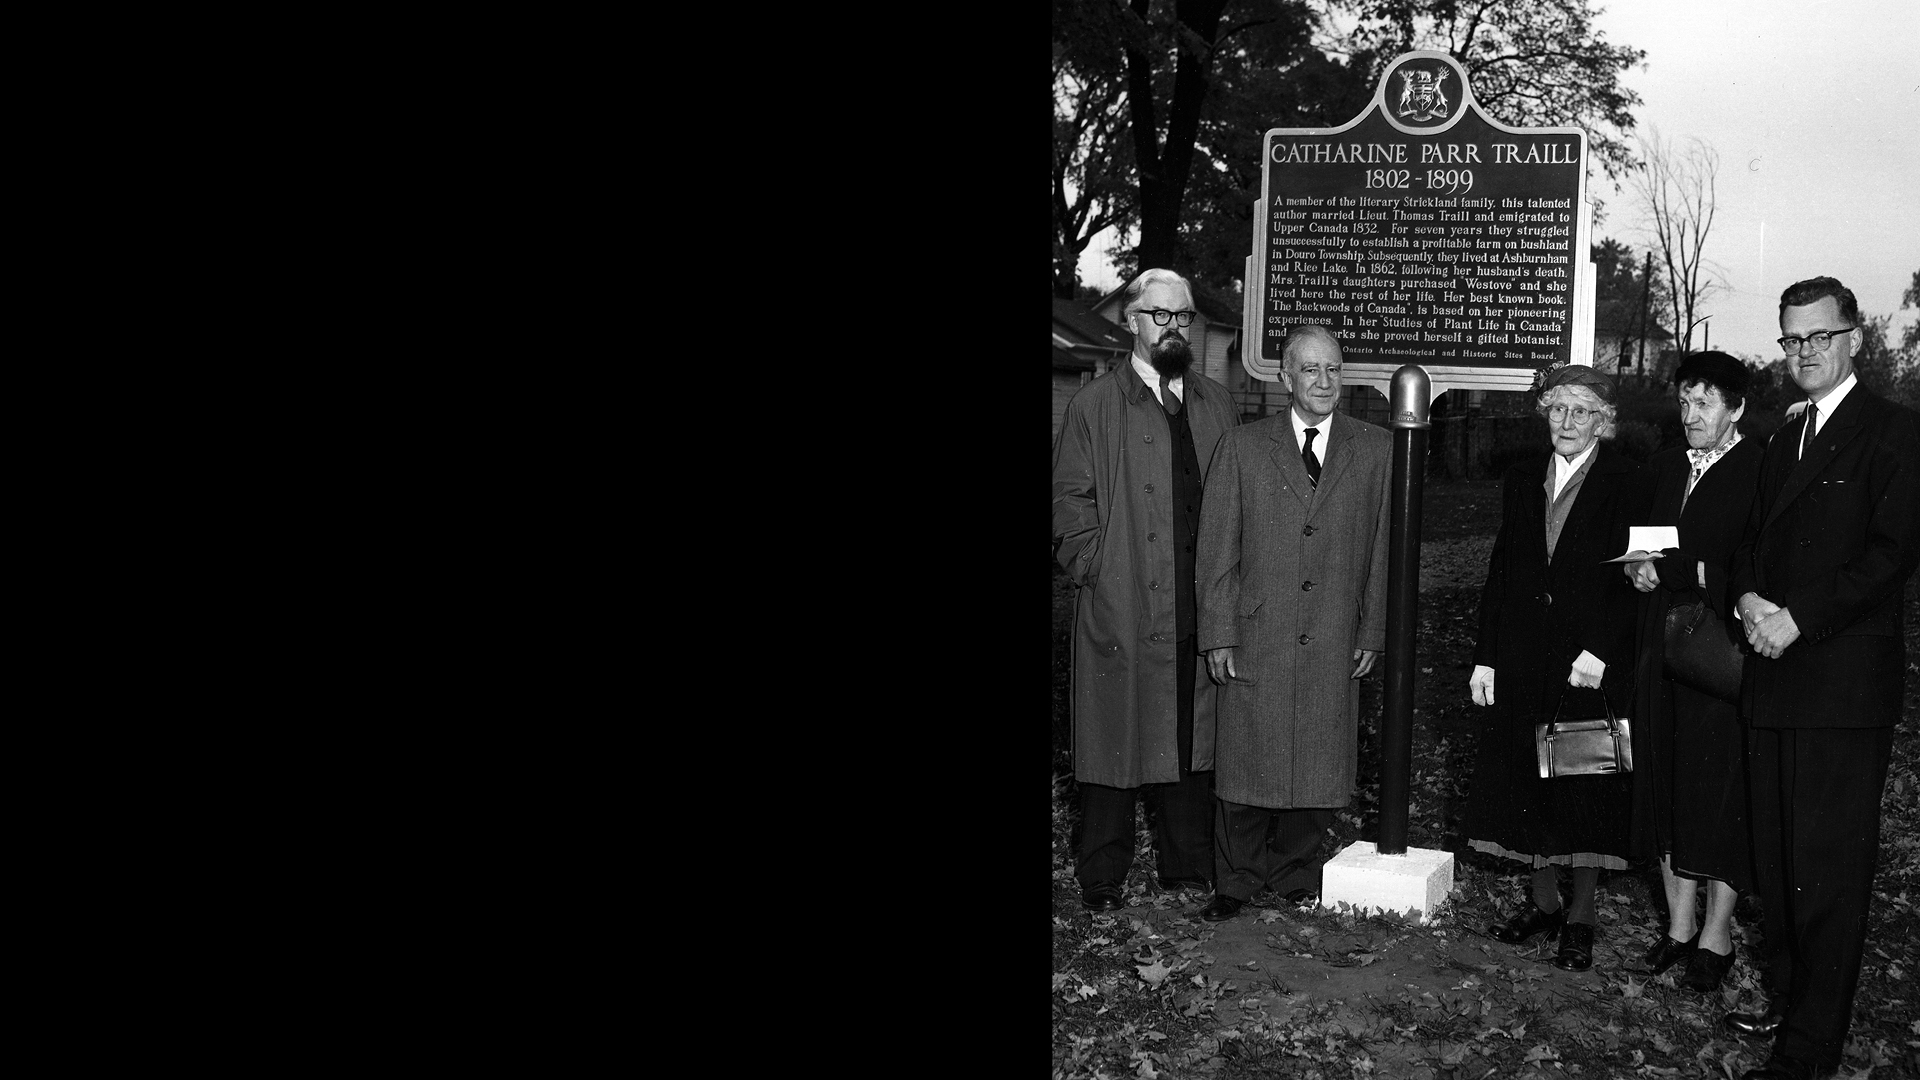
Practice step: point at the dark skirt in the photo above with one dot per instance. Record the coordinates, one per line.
(1700, 788)
(1510, 808)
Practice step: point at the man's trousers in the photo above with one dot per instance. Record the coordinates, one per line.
(1815, 795)
(1255, 847)
(1183, 838)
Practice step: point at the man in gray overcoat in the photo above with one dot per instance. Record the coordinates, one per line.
(1129, 468)
(1293, 612)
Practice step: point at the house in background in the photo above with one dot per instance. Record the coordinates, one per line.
(1085, 347)
(1617, 347)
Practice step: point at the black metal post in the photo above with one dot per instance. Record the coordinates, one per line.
(1409, 403)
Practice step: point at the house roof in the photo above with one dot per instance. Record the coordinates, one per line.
(1075, 321)
(1617, 325)
(1067, 361)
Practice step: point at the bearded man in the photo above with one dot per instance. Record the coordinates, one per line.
(1128, 470)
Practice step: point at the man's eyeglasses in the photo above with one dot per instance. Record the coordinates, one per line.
(1581, 414)
(1161, 316)
(1819, 339)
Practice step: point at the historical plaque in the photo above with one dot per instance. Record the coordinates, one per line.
(1424, 232)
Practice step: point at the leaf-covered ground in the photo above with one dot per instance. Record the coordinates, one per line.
(1285, 991)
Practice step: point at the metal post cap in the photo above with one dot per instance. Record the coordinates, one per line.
(1411, 397)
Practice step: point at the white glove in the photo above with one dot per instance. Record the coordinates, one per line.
(1586, 671)
(1481, 683)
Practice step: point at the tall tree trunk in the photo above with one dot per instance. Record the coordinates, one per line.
(1164, 168)
(1066, 269)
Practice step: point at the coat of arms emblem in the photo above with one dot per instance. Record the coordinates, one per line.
(1421, 98)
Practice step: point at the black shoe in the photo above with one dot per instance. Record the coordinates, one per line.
(1786, 1068)
(1705, 969)
(1302, 896)
(1756, 1024)
(1182, 884)
(1102, 897)
(1667, 952)
(1576, 947)
(1222, 908)
(1528, 923)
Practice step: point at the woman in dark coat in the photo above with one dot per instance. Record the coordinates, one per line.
(1690, 786)
(1556, 618)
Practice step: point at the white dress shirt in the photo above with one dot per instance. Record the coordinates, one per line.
(1152, 379)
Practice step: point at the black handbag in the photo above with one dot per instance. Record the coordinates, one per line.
(1699, 652)
(1588, 746)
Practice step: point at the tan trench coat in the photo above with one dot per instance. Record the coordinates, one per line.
(1113, 524)
(1294, 579)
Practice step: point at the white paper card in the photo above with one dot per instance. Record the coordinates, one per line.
(1646, 542)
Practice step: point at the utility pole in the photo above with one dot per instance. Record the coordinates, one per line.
(1646, 284)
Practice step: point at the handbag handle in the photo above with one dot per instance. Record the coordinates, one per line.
(1613, 722)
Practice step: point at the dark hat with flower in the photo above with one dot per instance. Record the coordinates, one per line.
(1576, 375)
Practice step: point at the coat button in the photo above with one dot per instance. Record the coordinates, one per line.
(1806, 543)
(1156, 637)
(1306, 586)
(1149, 489)
(1305, 638)
(1153, 584)
(1306, 530)
(1149, 438)
(1546, 599)
(1153, 536)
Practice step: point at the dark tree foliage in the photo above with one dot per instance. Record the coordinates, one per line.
(1533, 63)
(1910, 340)
(1160, 106)
(1622, 299)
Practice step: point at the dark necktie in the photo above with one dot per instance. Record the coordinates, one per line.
(1806, 437)
(1167, 397)
(1313, 463)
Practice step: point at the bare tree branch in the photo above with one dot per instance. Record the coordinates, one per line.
(1675, 185)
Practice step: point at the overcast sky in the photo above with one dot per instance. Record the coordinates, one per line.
(1815, 113)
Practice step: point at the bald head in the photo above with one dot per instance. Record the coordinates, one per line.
(1311, 370)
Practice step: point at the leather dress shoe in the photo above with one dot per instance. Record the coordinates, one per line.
(1757, 1024)
(1181, 884)
(1528, 923)
(1705, 969)
(1576, 947)
(1222, 907)
(1786, 1068)
(1102, 897)
(1667, 952)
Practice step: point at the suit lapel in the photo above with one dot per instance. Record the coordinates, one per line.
(1593, 489)
(1285, 451)
(1832, 437)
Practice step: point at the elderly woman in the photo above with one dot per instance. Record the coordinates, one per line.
(1690, 788)
(1556, 620)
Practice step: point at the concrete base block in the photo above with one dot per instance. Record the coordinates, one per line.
(1419, 880)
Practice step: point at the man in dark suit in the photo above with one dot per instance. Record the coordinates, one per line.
(1293, 590)
(1819, 575)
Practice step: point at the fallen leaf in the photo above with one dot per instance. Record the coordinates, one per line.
(1154, 973)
